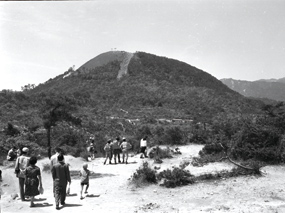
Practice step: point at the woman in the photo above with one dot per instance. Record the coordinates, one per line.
(33, 181)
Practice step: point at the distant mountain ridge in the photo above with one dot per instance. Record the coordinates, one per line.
(265, 88)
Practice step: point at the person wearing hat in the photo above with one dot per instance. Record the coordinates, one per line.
(108, 151)
(22, 163)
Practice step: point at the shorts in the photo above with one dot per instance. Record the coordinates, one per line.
(82, 184)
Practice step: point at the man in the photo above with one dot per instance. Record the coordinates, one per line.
(143, 146)
(61, 176)
(53, 159)
(22, 163)
(116, 149)
(125, 146)
(12, 154)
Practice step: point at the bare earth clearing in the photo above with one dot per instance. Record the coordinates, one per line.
(110, 190)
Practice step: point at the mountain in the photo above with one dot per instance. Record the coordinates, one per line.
(146, 85)
(123, 94)
(280, 80)
(271, 89)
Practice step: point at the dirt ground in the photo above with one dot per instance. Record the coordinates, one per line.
(110, 190)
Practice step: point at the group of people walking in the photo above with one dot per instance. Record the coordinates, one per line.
(30, 181)
(29, 175)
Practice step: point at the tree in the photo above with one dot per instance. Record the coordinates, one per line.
(54, 109)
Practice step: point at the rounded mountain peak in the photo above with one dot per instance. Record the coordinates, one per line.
(105, 58)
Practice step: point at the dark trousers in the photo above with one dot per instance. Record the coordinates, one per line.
(21, 186)
(59, 193)
(116, 153)
(108, 156)
(143, 151)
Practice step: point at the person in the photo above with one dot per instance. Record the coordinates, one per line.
(19, 153)
(53, 158)
(116, 150)
(22, 163)
(92, 148)
(108, 151)
(12, 154)
(61, 176)
(33, 180)
(143, 146)
(84, 180)
(0, 175)
(125, 146)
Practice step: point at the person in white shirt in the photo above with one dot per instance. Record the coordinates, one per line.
(22, 163)
(143, 146)
(53, 158)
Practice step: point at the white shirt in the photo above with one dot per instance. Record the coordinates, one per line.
(143, 143)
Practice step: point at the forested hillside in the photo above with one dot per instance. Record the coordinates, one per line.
(169, 100)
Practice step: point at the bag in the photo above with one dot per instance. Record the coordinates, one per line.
(41, 190)
(68, 190)
(129, 146)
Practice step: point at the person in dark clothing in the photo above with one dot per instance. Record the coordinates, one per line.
(33, 180)
(61, 176)
(116, 150)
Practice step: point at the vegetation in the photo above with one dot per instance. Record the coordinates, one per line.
(170, 101)
(144, 175)
(175, 177)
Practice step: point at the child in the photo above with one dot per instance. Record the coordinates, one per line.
(84, 174)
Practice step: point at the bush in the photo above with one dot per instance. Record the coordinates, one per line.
(184, 164)
(159, 153)
(144, 175)
(213, 148)
(175, 177)
(173, 136)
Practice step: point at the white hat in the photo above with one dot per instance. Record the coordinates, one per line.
(25, 149)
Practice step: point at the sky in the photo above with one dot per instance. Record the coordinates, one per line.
(239, 39)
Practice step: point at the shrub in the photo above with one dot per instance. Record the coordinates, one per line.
(159, 153)
(175, 177)
(173, 136)
(184, 164)
(144, 175)
(213, 148)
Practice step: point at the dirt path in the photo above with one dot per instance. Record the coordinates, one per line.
(110, 190)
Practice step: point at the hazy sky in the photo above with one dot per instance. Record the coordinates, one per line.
(240, 39)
